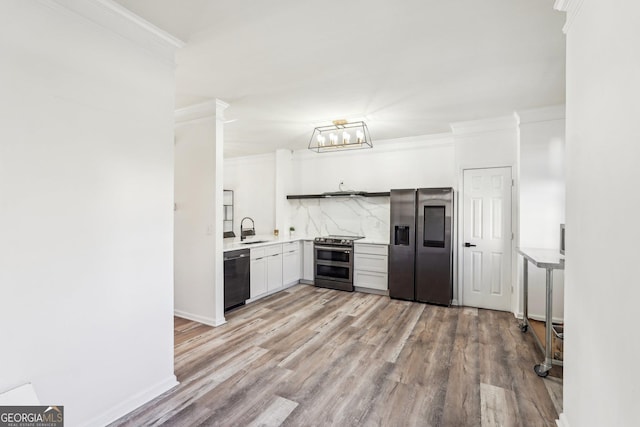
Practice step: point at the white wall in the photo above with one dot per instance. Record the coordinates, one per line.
(284, 184)
(199, 172)
(483, 144)
(252, 180)
(542, 200)
(426, 161)
(602, 349)
(86, 194)
(194, 220)
(401, 163)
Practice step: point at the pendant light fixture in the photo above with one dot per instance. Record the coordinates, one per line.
(339, 136)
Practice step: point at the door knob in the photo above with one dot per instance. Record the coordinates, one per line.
(469, 245)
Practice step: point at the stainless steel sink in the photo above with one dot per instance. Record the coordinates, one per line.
(251, 242)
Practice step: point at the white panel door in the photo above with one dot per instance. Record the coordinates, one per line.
(487, 235)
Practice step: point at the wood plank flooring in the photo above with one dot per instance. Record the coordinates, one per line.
(311, 356)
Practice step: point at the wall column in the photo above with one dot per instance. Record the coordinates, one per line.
(198, 248)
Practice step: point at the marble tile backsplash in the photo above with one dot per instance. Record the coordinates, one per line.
(363, 216)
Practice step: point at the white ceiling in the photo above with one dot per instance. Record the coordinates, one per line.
(410, 67)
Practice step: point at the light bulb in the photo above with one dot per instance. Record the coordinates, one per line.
(321, 140)
(333, 138)
(359, 136)
(345, 137)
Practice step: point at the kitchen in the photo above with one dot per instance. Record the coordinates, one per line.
(279, 195)
(88, 220)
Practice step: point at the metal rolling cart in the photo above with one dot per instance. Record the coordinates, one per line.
(550, 260)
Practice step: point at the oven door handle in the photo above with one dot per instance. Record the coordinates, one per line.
(334, 249)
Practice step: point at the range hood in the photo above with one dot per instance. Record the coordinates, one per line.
(329, 194)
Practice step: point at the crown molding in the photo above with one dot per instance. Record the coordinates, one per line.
(220, 107)
(114, 17)
(201, 111)
(572, 8)
(484, 125)
(196, 111)
(544, 114)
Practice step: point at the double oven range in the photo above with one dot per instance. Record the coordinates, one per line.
(333, 262)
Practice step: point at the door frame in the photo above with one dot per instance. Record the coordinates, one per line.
(459, 252)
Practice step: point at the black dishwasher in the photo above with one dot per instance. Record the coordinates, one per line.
(237, 266)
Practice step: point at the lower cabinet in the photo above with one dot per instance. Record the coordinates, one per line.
(258, 277)
(274, 272)
(266, 270)
(290, 263)
(273, 267)
(370, 266)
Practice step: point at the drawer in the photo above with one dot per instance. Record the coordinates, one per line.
(367, 262)
(291, 246)
(273, 249)
(257, 253)
(371, 280)
(366, 248)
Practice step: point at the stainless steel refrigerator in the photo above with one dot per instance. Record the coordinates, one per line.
(420, 250)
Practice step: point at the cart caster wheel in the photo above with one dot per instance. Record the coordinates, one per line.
(524, 328)
(541, 374)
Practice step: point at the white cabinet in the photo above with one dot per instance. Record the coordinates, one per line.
(307, 260)
(274, 267)
(258, 282)
(370, 266)
(258, 277)
(290, 263)
(266, 270)
(274, 272)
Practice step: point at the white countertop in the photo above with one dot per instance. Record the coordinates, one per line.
(372, 241)
(544, 258)
(232, 244)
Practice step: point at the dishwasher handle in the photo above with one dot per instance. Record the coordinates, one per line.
(235, 257)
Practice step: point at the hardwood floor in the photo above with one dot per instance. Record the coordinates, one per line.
(310, 356)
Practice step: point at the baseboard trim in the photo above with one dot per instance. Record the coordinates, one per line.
(133, 402)
(371, 291)
(562, 421)
(539, 317)
(200, 319)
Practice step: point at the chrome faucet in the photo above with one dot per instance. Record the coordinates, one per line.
(244, 232)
